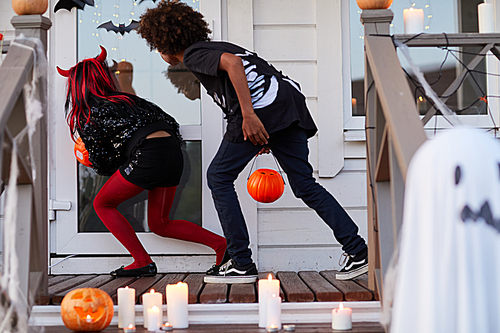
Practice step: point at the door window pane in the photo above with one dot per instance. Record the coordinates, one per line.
(145, 74)
(439, 66)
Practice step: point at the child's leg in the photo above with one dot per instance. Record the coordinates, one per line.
(114, 192)
(160, 201)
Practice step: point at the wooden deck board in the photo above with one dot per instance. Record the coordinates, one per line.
(112, 286)
(55, 279)
(351, 290)
(323, 290)
(295, 289)
(68, 284)
(242, 293)
(195, 286)
(214, 293)
(363, 281)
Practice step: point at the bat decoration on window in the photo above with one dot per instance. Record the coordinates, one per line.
(140, 1)
(121, 28)
(69, 4)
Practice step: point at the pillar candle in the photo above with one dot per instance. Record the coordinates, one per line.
(148, 301)
(153, 319)
(273, 317)
(413, 20)
(126, 307)
(267, 287)
(342, 318)
(485, 17)
(177, 305)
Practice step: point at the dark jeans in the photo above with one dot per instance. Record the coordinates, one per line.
(289, 146)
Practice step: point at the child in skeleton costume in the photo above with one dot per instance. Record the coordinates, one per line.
(138, 145)
(264, 110)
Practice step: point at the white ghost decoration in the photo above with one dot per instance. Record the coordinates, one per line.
(448, 273)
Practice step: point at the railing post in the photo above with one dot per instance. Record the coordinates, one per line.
(374, 22)
(37, 26)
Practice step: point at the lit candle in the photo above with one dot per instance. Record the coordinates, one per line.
(354, 106)
(413, 20)
(129, 329)
(88, 319)
(148, 301)
(153, 318)
(267, 287)
(273, 311)
(167, 327)
(342, 318)
(485, 17)
(126, 307)
(289, 328)
(272, 328)
(177, 305)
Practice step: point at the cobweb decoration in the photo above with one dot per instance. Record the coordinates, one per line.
(14, 305)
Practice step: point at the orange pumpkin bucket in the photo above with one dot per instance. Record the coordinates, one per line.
(265, 185)
(82, 155)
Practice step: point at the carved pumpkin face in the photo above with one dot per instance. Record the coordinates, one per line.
(265, 185)
(81, 153)
(87, 309)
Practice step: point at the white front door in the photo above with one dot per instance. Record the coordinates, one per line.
(78, 231)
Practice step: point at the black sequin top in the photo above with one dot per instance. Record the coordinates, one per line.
(111, 125)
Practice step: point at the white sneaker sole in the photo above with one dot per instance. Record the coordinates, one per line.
(230, 279)
(352, 274)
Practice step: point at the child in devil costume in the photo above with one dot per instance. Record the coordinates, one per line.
(138, 145)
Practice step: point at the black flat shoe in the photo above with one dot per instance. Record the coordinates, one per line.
(215, 268)
(148, 270)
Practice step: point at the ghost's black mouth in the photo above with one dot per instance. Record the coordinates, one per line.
(485, 212)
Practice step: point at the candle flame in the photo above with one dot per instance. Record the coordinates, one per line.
(411, 9)
(179, 283)
(152, 291)
(126, 287)
(274, 295)
(341, 306)
(130, 326)
(154, 308)
(269, 277)
(89, 318)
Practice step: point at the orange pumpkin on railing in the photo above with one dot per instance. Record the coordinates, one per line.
(81, 153)
(265, 185)
(30, 7)
(374, 4)
(87, 309)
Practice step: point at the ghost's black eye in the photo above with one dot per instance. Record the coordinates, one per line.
(458, 174)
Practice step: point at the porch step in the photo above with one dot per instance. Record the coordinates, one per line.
(307, 286)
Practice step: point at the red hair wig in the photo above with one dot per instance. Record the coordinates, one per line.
(89, 81)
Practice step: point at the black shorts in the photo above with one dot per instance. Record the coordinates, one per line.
(155, 162)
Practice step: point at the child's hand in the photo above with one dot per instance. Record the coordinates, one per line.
(254, 130)
(264, 150)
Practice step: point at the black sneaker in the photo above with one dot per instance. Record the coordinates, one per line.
(148, 270)
(355, 266)
(231, 273)
(214, 270)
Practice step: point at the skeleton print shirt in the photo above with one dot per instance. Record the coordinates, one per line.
(277, 100)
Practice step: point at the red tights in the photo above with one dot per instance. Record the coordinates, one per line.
(117, 189)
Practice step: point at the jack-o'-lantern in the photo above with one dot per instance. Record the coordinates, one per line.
(265, 185)
(30, 7)
(87, 309)
(374, 4)
(81, 153)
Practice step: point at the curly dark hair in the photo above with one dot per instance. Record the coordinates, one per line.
(172, 27)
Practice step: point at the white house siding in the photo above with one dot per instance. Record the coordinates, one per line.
(290, 236)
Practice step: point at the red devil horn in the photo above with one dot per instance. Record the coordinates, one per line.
(101, 57)
(63, 72)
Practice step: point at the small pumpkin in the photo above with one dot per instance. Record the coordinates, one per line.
(87, 310)
(30, 7)
(265, 185)
(81, 153)
(374, 4)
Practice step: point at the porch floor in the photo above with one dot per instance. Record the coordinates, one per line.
(306, 286)
(243, 328)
